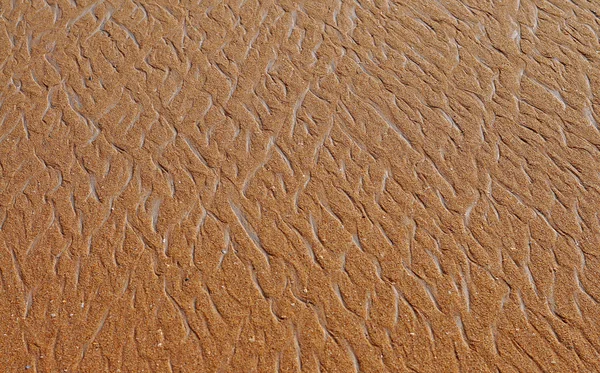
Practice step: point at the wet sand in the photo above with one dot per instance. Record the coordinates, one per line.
(282, 186)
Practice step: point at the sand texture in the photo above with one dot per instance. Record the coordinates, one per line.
(299, 186)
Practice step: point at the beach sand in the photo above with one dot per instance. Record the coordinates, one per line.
(286, 186)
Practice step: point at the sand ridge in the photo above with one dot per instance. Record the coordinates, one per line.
(281, 186)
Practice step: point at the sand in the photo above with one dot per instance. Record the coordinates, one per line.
(315, 186)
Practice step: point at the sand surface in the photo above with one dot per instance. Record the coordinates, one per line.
(285, 186)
